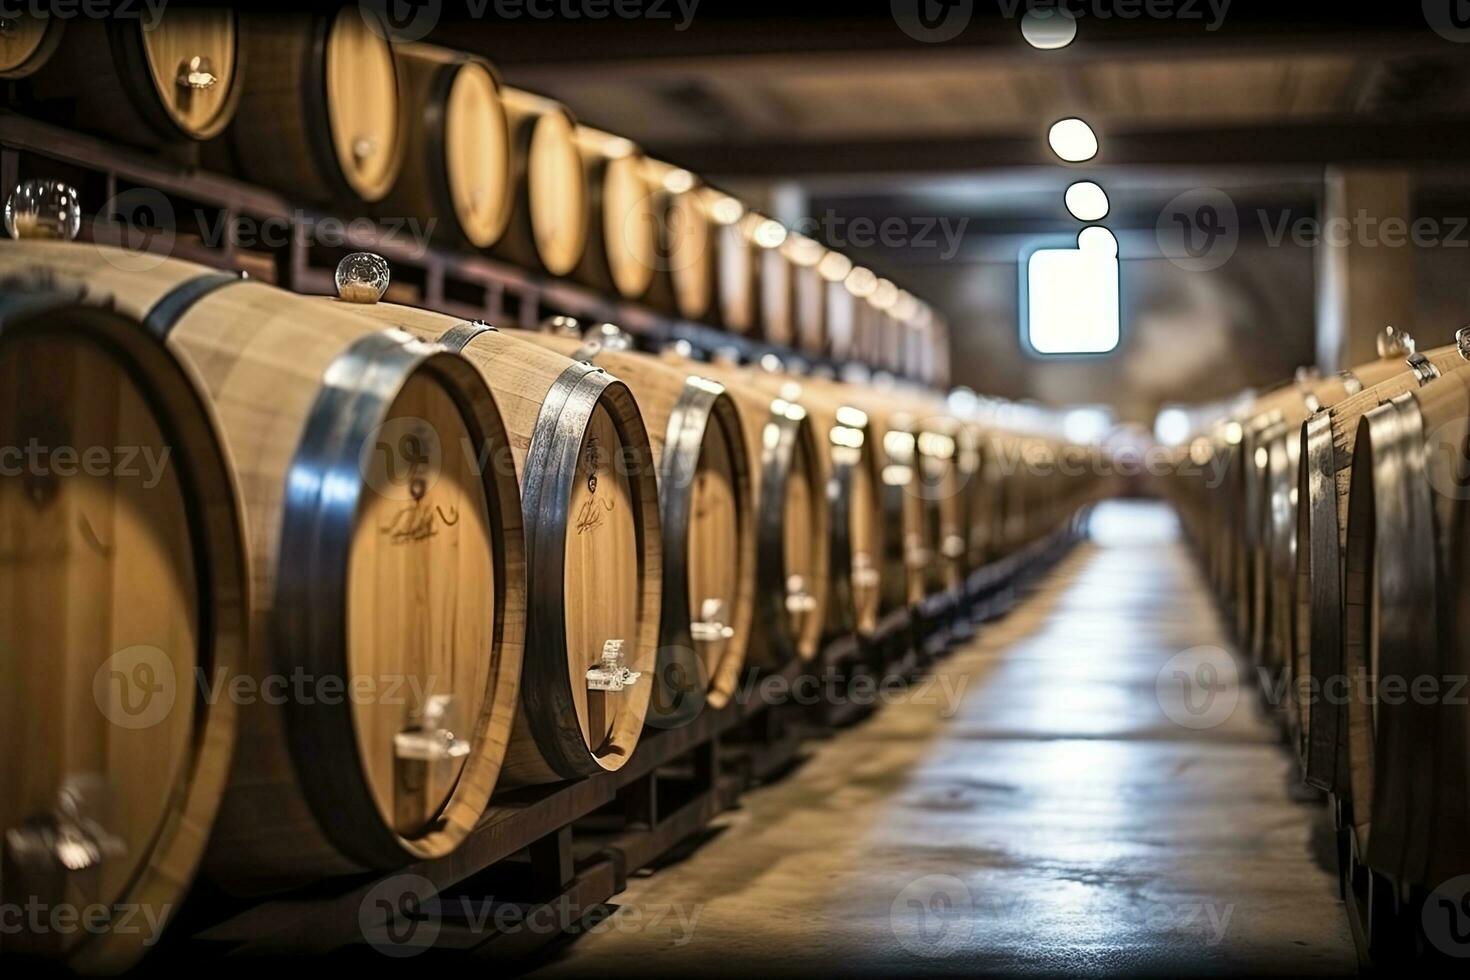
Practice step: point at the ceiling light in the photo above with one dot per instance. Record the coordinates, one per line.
(1087, 201)
(1048, 29)
(1072, 140)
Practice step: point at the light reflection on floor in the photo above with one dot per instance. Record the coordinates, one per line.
(1047, 816)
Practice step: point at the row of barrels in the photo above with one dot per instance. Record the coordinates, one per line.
(326, 108)
(292, 585)
(1330, 516)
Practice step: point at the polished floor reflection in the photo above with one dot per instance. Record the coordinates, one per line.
(1056, 799)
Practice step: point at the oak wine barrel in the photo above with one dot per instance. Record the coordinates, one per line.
(322, 115)
(456, 163)
(838, 306)
(808, 293)
(844, 432)
(1325, 449)
(776, 310)
(122, 581)
(736, 262)
(1408, 790)
(684, 275)
(548, 227)
(174, 81)
(707, 511)
(385, 559)
(911, 569)
(593, 549)
(793, 519)
(622, 237)
(1273, 629)
(28, 43)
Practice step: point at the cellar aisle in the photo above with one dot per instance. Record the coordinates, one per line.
(1057, 821)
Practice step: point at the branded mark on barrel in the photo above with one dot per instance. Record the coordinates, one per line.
(590, 515)
(418, 522)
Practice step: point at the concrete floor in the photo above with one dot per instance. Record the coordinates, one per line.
(1043, 813)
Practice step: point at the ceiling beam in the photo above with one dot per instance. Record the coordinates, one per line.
(1343, 140)
(680, 36)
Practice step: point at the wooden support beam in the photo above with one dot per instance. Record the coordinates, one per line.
(1364, 280)
(1348, 140)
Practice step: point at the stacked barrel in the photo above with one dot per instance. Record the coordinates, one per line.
(345, 569)
(1329, 514)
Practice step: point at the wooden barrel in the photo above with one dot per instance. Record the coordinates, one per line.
(1265, 517)
(737, 301)
(593, 550)
(911, 568)
(1274, 630)
(776, 314)
(122, 582)
(684, 276)
(976, 502)
(174, 81)
(847, 436)
(28, 44)
(707, 510)
(1325, 450)
(549, 220)
(322, 114)
(793, 519)
(838, 306)
(386, 564)
(1407, 745)
(1271, 444)
(456, 163)
(622, 237)
(859, 345)
(808, 293)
